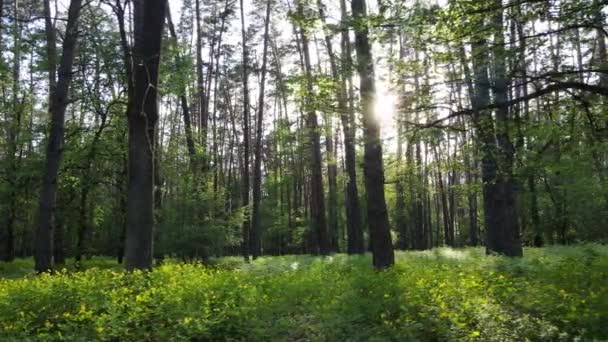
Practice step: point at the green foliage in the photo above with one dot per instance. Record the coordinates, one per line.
(555, 293)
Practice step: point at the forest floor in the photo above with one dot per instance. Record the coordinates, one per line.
(553, 293)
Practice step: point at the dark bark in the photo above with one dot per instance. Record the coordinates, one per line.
(255, 237)
(148, 19)
(377, 215)
(13, 133)
(43, 255)
(58, 241)
(123, 176)
(485, 130)
(503, 235)
(122, 209)
(501, 220)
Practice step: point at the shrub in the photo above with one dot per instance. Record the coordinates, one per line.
(556, 293)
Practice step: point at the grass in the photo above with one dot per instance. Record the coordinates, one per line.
(554, 293)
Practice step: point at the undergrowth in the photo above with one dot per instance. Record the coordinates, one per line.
(555, 293)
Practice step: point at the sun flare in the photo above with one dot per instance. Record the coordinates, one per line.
(384, 108)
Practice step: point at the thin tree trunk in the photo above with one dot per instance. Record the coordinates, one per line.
(203, 120)
(355, 243)
(444, 202)
(329, 143)
(245, 176)
(13, 133)
(255, 243)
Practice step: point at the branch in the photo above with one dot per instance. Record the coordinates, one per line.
(557, 86)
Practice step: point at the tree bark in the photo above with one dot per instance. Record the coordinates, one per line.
(43, 255)
(503, 236)
(382, 247)
(148, 18)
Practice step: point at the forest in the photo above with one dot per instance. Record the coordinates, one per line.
(303, 170)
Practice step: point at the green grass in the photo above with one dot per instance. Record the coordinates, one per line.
(555, 293)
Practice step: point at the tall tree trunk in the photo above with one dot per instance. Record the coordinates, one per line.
(355, 243)
(119, 11)
(470, 160)
(148, 18)
(329, 143)
(245, 176)
(377, 215)
(317, 208)
(401, 215)
(13, 133)
(43, 254)
(485, 131)
(255, 242)
(503, 236)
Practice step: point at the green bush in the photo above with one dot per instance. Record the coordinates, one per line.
(556, 293)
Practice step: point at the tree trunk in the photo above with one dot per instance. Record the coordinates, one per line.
(245, 176)
(148, 18)
(503, 236)
(13, 133)
(355, 243)
(43, 255)
(255, 237)
(317, 203)
(377, 215)
(331, 153)
(400, 215)
(200, 85)
(448, 238)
